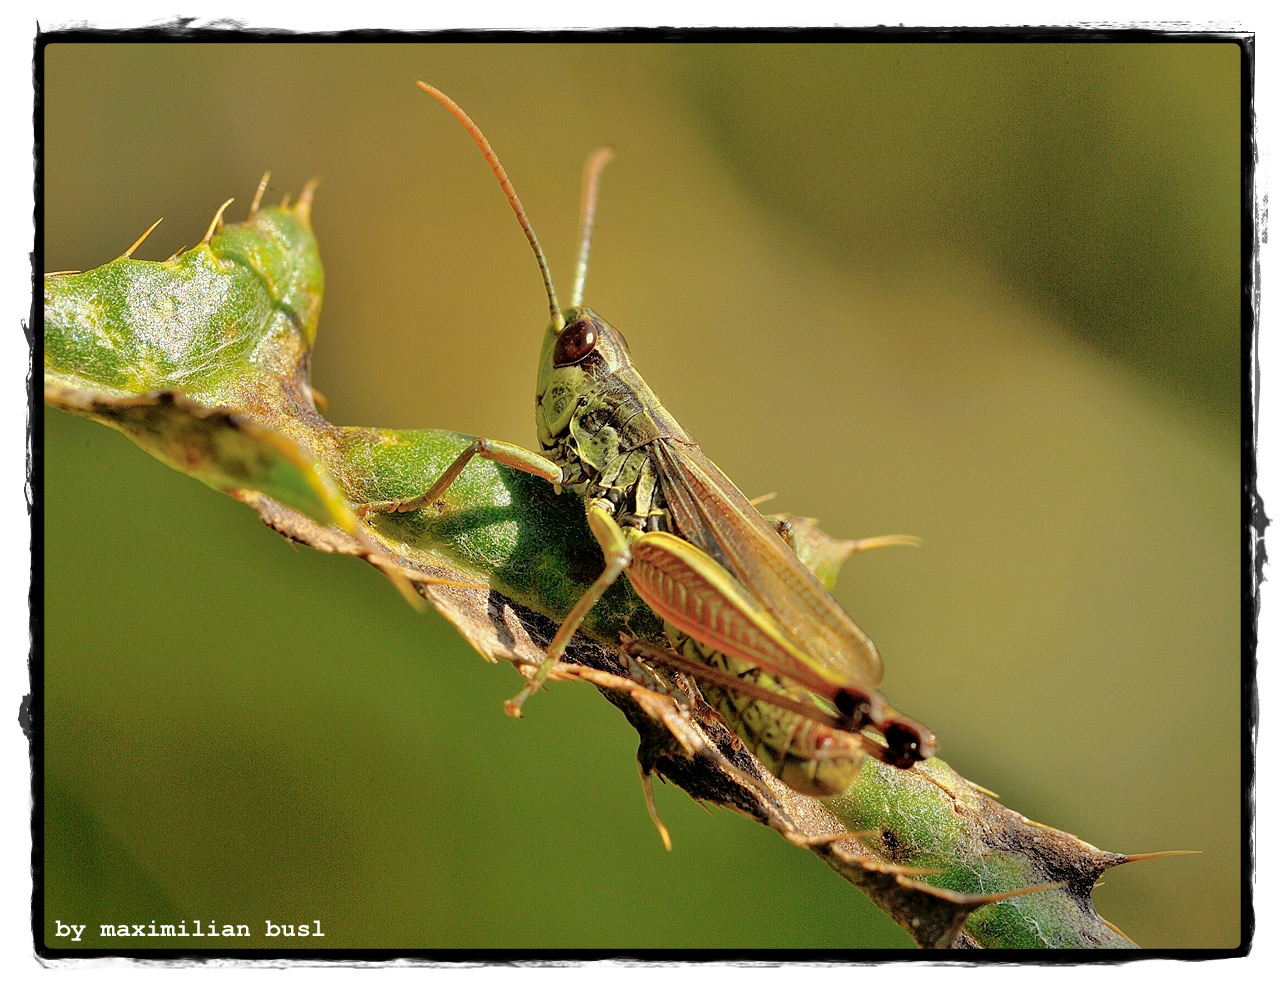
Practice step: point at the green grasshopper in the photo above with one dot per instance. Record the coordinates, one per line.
(744, 615)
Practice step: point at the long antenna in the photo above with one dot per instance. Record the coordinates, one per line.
(506, 186)
(598, 160)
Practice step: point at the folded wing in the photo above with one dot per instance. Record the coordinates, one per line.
(708, 511)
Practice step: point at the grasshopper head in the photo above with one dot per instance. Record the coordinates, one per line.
(584, 349)
(578, 355)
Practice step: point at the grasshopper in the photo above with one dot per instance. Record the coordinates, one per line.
(743, 614)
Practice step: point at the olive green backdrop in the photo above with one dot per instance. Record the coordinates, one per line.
(984, 294)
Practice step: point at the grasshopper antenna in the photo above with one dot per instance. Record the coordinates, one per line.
(598, 160)
(507, 187)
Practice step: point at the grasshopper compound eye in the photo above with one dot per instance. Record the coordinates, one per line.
(575, 342)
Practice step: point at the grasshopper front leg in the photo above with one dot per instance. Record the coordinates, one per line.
(514, 456)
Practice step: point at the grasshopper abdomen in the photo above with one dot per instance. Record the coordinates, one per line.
(805, 755)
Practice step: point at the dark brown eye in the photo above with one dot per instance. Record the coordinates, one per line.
(575, 342)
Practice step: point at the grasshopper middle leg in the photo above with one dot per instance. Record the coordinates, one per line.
(614, 542)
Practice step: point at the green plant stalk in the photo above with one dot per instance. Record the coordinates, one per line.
(202, 361)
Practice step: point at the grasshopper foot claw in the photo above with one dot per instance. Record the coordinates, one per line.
(364, 510)
(513, 707)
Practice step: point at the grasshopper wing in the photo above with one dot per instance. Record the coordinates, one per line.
(708, 511)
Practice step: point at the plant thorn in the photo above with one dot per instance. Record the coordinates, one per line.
(303, 207)
(1145, 856)
(651, 808)
(139, 242)
(886, 540)
(258, 195)
(214, 223)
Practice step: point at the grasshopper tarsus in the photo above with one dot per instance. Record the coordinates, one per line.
(513, 707)
(364, 510)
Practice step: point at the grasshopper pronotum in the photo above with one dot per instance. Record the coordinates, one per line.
(744, 615)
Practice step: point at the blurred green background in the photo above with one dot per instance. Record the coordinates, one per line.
(987, 294)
